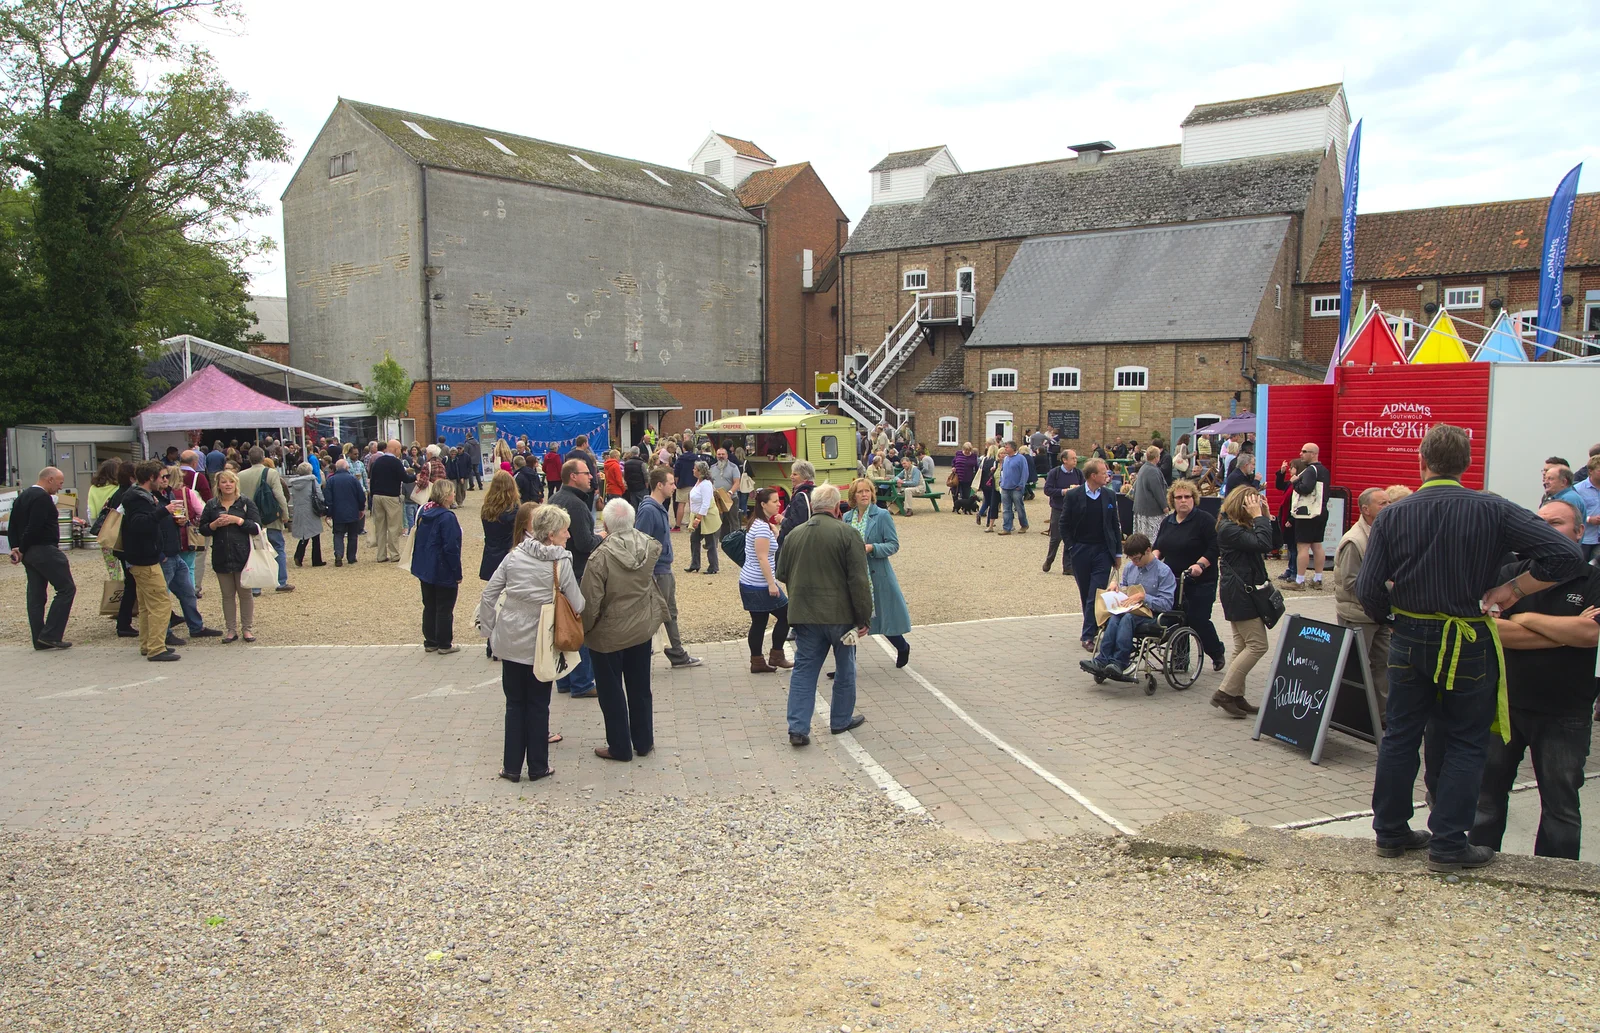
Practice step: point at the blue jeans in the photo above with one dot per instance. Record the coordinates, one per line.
(1091, 565)
(411, 513)
(1116, 641)
(1460, 716)
(812, 642)
(181, 585)
(276, 538)
(1560, 746)
(582, 677)
(1011, 502)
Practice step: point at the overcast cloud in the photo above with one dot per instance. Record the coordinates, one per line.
(1464, 101)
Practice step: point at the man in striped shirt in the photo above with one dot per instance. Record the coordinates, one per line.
(1433, 563)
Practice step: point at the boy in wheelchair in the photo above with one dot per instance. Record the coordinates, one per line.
(1147, 580)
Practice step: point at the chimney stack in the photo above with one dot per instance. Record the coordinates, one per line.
(1089, 153)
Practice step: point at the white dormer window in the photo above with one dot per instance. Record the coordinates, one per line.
(1002, 380)
(714, 167)
(914, 280)
(1463, 297)
(585, 164)
(502, 148)
(1132, 378)
(1065, 378)
(417, 129)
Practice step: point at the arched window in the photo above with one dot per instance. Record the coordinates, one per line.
(1065, 378)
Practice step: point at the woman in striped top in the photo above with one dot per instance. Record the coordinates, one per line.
(758, 584)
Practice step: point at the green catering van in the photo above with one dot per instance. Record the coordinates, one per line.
(772, 441)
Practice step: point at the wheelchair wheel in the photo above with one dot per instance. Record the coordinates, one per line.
(1149, 685)
(1185, 659)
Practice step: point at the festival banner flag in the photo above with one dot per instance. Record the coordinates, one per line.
(1501, 343)
(1441, 343)
(1347, 247)
(1373, 343)
(1553, 261)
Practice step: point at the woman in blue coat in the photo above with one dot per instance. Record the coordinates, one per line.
(890, 618)
(436, 562)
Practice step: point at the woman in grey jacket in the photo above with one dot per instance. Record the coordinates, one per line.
(1149, 496)
(508, 613)
(305, 498)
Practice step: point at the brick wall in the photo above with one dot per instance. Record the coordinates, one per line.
(278, 353)
(801, 327)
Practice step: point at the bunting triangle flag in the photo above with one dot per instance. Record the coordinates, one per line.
(1500, 344)
(1373, 343)
(1360, 314)
(1440, 344)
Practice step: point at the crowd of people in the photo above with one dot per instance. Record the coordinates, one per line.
(1491, 625)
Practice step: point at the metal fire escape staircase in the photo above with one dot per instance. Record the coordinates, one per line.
(858, 394)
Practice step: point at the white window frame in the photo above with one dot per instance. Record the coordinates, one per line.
(1531, 313)
(752, 412)
(954, 426)
(1075, 380)
(1590, 309)
(703, 417)
(1473, 297)
(1404, 328)
(1143, 373)
(1330, 303)
(907, 285)
(1002, 371)
(973, 273)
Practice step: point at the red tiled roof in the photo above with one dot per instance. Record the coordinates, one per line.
(745, 148)
(1501, 236)
(762, 186)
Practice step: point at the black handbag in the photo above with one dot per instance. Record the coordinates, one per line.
(1268, 602)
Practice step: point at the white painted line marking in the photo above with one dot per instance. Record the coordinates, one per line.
(93, 690)
(1417, 805)
(1016, 754)
(898, 793)
(442, 691)
(486, 684)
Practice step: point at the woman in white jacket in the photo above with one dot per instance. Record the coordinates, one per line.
(509, 612)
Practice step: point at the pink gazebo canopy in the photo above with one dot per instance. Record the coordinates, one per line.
(212, 399)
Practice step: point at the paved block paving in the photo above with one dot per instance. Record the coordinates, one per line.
(239, 737)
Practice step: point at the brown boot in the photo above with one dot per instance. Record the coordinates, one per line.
(777, 659)
(1229, 704)
(759, 665)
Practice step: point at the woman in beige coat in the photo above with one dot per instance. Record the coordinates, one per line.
(622, 610)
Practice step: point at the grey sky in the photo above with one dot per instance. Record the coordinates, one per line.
(1463, 101)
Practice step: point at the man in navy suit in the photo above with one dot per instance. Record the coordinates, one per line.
(1090, 527)
(347, 507)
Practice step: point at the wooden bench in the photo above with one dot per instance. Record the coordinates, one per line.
(933, 497)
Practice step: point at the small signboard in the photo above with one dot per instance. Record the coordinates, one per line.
(519, 403)
(1065, 421)
(1129, 410)
(1319, 681)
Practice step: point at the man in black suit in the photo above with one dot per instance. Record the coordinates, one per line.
(35, 539)
(1089, 524)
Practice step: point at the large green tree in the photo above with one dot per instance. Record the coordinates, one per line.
(125, 177)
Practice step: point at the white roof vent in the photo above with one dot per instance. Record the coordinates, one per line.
(502, 148)
(585, 164)
(418, 129)
(710, 189)
(657, 178)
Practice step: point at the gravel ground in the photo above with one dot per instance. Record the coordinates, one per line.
(949, 569)
(540, 912)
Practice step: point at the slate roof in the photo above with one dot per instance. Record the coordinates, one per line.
(1498, 237)
(948, 377)
(1200, 282)
(763, 185)
(1271, 104)
(745, 148)
(647, 396)
(463, 147)
(906, 159)
(1140, 187)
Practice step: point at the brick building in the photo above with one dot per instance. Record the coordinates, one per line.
(485, 260)
(1255, 180)
(1477, 260)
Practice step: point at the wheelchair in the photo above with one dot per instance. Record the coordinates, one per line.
(1170, 647)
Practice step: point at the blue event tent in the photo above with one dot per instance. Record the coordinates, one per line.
(544, 416)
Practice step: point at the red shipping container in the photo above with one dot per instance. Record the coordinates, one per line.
(1381, 414)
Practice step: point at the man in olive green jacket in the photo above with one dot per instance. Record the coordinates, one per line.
(824, 565)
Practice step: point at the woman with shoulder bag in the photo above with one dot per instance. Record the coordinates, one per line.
(305, 514)
(499, 514)
(758, 584)
(509, 614)
(1244, 537)
(436, 563)
(230, 520)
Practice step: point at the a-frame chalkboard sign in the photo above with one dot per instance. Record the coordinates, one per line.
(1319, 681)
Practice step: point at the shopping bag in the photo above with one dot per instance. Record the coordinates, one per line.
(110, 598)
(568, 633)
(407, 550)
(261, 570)
(110, 536)
(550, 663)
